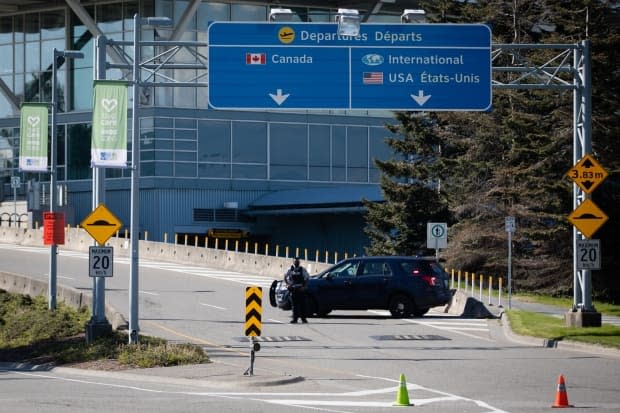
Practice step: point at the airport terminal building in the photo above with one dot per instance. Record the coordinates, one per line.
(295, 177)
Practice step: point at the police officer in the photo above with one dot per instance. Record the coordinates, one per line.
(296, 280)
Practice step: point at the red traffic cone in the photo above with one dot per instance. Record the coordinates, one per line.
(561, 397)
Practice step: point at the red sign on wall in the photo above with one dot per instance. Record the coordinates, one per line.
(53, 228)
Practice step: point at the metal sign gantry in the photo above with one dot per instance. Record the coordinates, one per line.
(568, 69)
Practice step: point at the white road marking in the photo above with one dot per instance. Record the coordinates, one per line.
(148, 293)
(212, 306)
(275, 321)
(283, 398)
(458, 326)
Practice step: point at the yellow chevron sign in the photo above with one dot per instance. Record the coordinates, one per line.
(253, 310)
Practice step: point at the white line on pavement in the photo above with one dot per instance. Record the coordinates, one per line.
(212, 306)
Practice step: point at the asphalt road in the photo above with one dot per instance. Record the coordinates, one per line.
(350, 361)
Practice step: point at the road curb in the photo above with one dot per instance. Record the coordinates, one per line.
(218, 380)
(557, 344)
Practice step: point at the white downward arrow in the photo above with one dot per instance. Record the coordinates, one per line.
(279, 98)
(420, 98)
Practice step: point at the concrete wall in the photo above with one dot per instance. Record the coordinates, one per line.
(77, 239)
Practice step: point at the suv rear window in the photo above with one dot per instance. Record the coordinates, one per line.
(423, 266)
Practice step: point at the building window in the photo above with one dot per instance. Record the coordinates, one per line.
(357, 154)
(78, 151)
(249, 142)
(288, 151)
(339, 153)
(378, 150)
(319, 152)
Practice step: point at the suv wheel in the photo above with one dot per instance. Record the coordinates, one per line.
(401, 306)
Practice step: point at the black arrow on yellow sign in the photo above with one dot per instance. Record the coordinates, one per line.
(253, 310)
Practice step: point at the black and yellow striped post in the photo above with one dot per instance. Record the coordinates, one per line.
(253, 324)
(253, 310)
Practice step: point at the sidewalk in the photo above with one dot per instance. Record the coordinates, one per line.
(216, 374)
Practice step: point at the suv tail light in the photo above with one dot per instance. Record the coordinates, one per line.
(430, 280)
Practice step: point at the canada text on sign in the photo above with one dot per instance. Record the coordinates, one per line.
(587, 173)
(253, 311)
(587, 218)
(101, 224)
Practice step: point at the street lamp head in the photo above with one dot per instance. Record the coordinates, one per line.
(413, 16)
(156, 21)
(72, 54)
(281, 15)
(348, 22)
(69, 54)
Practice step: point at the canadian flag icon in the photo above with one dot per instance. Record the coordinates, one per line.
(255, 58)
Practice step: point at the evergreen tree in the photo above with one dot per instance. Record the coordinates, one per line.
(512, 160)
(411, 187)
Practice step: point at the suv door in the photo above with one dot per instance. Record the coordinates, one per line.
(372, 284)
(335, 289)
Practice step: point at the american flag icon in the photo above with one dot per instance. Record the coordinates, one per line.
(255, 58)
(372, 78)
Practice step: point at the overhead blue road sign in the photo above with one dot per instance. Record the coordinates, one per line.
(431, 67)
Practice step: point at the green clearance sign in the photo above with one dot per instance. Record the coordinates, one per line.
(109, 133)
(33, 137)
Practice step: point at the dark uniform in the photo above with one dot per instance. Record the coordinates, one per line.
(296, 280)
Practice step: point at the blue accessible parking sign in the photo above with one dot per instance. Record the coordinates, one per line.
(387, 66)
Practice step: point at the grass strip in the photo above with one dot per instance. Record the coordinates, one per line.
(533, 324)
(31, 333)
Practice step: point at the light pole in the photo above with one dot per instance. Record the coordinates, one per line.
(135, 173)
(67, 54)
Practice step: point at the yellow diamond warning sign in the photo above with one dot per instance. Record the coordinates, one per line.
(587, 173)
(587, 218)
(101, 224)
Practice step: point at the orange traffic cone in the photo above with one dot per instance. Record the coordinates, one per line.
(561, 397)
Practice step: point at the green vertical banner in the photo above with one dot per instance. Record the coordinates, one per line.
(109, 137)
(33, 137)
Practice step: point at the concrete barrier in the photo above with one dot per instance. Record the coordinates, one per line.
(466, 306)
(23, 284)
(77, 239)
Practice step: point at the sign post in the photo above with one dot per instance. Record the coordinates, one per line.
(101, 224)
(436, 67)
(511, 226)
(253, 323)
(587, 218)
(15, 184)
